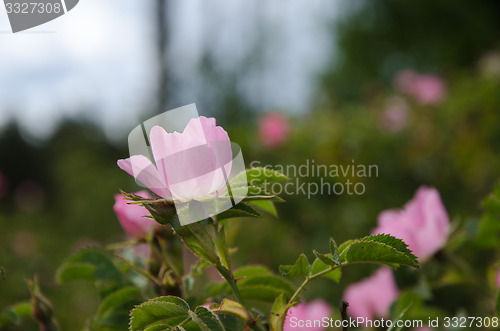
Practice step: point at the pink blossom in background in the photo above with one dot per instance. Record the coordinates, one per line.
(273, 129)
(395, 116)
(423, 223)
(426, 89)
(312, 311)
(187, 158)
(404, 79)
(132, 216)
(373, 296)
(498, 278)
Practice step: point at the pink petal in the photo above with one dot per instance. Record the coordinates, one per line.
(132, 217)
(141, 168)
(373, 296)
(191, 162)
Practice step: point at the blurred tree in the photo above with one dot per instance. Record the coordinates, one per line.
(378, 38)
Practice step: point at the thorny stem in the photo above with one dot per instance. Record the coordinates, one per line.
(228, 276)
(308, 279)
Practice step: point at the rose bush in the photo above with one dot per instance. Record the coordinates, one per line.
(174, 289)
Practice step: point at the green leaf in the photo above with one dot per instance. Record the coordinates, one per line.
(221, 248)
(240, 210)
(266, 293)
(489, 229)
(252, 270)
(278, 313)
(381, 248)
(252, 193)
(91, 264)
(234, 308)
(264, 288)
(114, 309)
(199, 241)
(15, 313)
(255, 283)
(206, 319)
(325, 258)
(400, 317)
(334, 250)
(300, 268)
(265, 205)
(168, 310)
(259, 176)
(319, 266)
(76, 271)
(163, 327)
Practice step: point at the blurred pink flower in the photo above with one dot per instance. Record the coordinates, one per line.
(132, 217)
(189, 159)
(498, 279)
(423, 223)
(395, 116)
(312, 311)
(373, 296)
(426, 89)
(273, 129)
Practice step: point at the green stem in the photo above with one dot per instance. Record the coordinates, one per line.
(308, 279)
(228, 276)
(139, 270)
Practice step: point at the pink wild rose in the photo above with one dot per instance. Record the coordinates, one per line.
(273, 129)
(426, 89)
(423, 223)
(373, 296)
(132, 217)
(186, 165)
(313, 312)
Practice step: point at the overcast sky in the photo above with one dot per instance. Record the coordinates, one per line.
(96, 61)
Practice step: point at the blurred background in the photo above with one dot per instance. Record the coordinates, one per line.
(412, 87)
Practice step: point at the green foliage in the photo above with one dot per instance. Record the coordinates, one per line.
(166, 311)
(278, 313)
(206, 319)
(319, 267)
(113, 311)
(381, 248)
(300, 268)
(234, 308)
(91, 264)
(259, 176)
(171, 312)
(489, 230)
(256, 283)
(15, 313)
